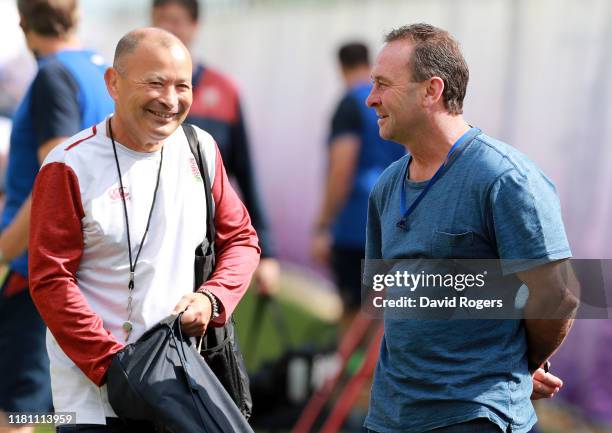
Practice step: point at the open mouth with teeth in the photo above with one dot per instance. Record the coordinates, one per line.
(162, 115)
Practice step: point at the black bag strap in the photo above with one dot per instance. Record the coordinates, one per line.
(208, 244)
(231, 372)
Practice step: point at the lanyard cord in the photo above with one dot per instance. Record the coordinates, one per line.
(403, 222)
(127, 325)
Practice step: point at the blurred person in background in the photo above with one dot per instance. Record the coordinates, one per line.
(17, 69)
(216, 109)
(5, 138)
(357, 155)
(16, 72)
(460, 194)
(68, 94)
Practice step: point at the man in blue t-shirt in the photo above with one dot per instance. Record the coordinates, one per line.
(356, 157)
(67, 95)
(459, 194)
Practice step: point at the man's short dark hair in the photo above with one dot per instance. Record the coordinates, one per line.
(353, 54)
(192, 6)
(436, 54)
(52, 18)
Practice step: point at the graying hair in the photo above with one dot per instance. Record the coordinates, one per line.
(131, 40)
(436, 53)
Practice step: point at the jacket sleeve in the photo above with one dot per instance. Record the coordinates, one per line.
(236, 245)
(55, 251)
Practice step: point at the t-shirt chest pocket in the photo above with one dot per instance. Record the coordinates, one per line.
(452, 245)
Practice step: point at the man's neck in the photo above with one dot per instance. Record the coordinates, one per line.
(355, 76)
(431, 145)
(121, 135)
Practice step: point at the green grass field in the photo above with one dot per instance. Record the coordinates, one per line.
(301, 327)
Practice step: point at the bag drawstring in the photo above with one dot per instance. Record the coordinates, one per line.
(183, 360)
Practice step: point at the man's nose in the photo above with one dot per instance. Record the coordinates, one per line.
(372, 98)
(169, 97)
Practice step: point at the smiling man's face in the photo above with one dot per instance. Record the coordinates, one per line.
(152, 92)
(395, 96)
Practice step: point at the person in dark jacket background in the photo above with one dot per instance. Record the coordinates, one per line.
(217, 110)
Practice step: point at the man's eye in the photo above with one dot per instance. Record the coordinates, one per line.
(155, 84)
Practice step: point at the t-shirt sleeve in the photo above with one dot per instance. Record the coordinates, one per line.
(373, 247)
(527, 223)
(346, 119)
(55, 106)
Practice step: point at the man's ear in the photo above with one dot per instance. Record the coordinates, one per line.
(23, 24)
(111, 77)
(433, 91)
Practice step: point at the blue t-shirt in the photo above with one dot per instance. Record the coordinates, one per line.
(375, 154)
(67, 95)
(490, 203)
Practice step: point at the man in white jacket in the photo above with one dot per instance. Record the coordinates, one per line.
(117, 213)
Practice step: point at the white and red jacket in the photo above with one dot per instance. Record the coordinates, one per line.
(78, 253)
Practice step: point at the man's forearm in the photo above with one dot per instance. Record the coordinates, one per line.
(544, 336)
(14, 238)
(550, 309)
(336, 193)
(343, 157)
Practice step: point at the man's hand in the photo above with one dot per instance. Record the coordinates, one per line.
(267, 276)
(197, 310)
(545, 385)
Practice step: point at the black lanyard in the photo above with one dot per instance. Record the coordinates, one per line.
(127, 325)
(403, 222)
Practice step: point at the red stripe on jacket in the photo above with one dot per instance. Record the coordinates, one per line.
(236, 243)
(55, 251)
(76, 143)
